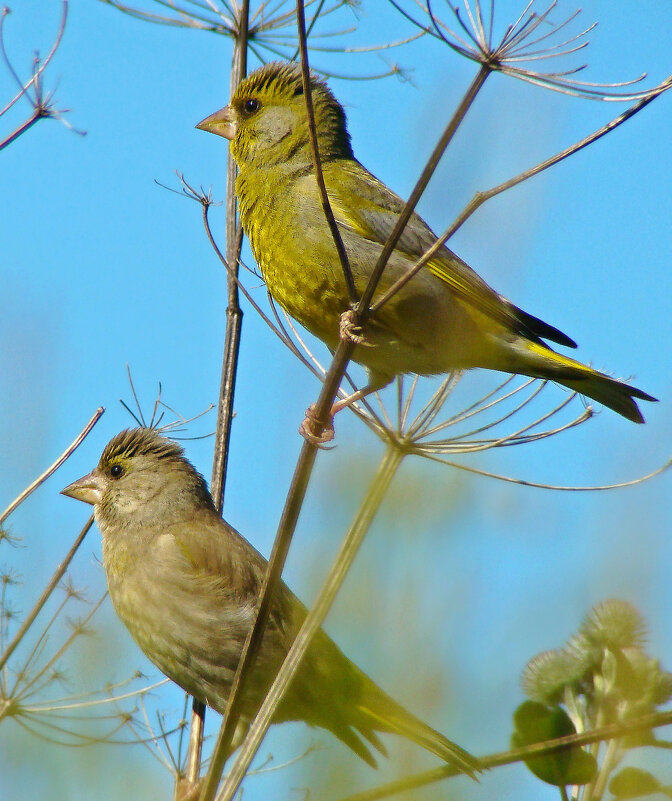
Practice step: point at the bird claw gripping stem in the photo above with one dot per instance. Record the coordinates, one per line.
(311, 424)
(350, 330)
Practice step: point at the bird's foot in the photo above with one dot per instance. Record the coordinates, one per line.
(350, 330)
(311, 425)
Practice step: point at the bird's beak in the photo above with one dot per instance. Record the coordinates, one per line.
(88, 489)
(222, 122)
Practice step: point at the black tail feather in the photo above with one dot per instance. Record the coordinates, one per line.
(542, 330)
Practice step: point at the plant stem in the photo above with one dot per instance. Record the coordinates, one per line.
(601, 734)
(234, 314)
(54, 467)
(599, 785)
(234, 321)
(349, 548)
(420, 186)
(35, 611)
(283, 538)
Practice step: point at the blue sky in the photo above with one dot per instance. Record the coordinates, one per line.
(101, 268)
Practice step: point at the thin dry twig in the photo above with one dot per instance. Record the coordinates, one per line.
(481, 197)
(363, 308)
(54, 467)
(60, 720)
(46, 593)
(38, 66)
(270, 29)
(205, 199)
(520, 45)
(234, 319)
(317, 162)
(234, 314)
(42, 104)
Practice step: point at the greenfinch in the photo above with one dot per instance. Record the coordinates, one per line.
(445, 318)
(185, 584)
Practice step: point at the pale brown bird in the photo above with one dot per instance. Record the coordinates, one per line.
(185, 584)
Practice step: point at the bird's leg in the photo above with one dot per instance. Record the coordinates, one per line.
(351, 331)
(375, 383)
(191, 791)
(311, 423)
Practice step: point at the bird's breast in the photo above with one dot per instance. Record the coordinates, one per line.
(295, 252)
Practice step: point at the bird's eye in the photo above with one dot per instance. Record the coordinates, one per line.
(251, 105)
(116, 471)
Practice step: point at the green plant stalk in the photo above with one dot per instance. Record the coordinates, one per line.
(594, 751)
(286, 527)
(599, 784)
(349, 548)
(602, 734)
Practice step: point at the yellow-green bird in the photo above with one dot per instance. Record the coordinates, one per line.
(185, 584)
(445, 318)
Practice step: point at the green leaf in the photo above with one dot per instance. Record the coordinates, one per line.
(633, 783)
(536, 723)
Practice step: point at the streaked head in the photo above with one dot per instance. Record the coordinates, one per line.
(141, 475)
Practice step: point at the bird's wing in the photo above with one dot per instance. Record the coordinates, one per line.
(364, 205)
(232, 567)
